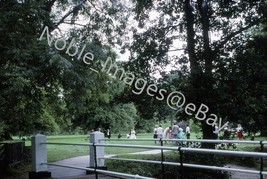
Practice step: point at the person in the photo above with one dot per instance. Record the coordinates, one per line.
(181, 135)
(132, 134)
(160, 132)
(175, 130)
(227, 136)
(216, 131)
(167, 134)
(108, 133)
(170, 133)
(226, 133)
(239, 132)
(187, 131)
(155, 133)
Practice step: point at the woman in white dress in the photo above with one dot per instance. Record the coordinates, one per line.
(132, 134)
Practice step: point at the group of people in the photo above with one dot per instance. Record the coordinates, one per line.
(177, 132)
(227, 132)
(107, 133)
(172, 132)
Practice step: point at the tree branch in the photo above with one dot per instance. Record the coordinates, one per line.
(75, 9)
(95, 7)
(178, 49)
(230, 36)
(49, 5)
(74, 24)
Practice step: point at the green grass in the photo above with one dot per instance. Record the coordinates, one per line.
(60, 152)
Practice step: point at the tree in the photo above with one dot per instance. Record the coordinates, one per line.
(194, 22)
(243, 84)
(41, 86)
(23, 69)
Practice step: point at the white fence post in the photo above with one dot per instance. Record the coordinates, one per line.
(95, 139)
(39, 156)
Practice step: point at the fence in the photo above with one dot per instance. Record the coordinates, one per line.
(11, 153)
(97, 158)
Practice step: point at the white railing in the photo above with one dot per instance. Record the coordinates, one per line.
(97, 158)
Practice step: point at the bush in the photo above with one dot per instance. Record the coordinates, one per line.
(2, 130)
(170, 172)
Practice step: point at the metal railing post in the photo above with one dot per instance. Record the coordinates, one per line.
(39, 156)
(162, 158)
(262, 148)
(181, 162)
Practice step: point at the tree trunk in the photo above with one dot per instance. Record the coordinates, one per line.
(195, 69)
(201, 82)
(207, 134)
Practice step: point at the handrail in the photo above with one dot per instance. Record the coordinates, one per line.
(191, 150)
(189, 165)
(195, 150)
(225, 152)
(67, 143)
(97, 144)
(190, 140)
(137, 146)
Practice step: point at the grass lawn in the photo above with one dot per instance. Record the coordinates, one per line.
(59, 152)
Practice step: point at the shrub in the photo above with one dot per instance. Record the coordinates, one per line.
(169, 172)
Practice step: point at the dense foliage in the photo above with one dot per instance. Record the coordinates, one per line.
(215, 39)
(45, 90)
(216, 51)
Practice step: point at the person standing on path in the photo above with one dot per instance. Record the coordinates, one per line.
(187, 131)
(155, 133)
(239, 132)
(181, 136)
(175, 131)
(108, 134)
(216, 132)
(160, 132)
(132, 134)
(167, 134)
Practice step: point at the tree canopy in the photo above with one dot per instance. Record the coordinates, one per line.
(213, 33)
(42, 88)
(215, 50)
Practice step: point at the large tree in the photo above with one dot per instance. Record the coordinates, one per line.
(42, 86)
(163, 24)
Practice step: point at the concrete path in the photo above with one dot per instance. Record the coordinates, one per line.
(156, 151)
(62, 172)
(242, 175)
(82, 161)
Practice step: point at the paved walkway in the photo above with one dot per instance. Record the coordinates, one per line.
(62, 172)
(242, 175)
(82, 161)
